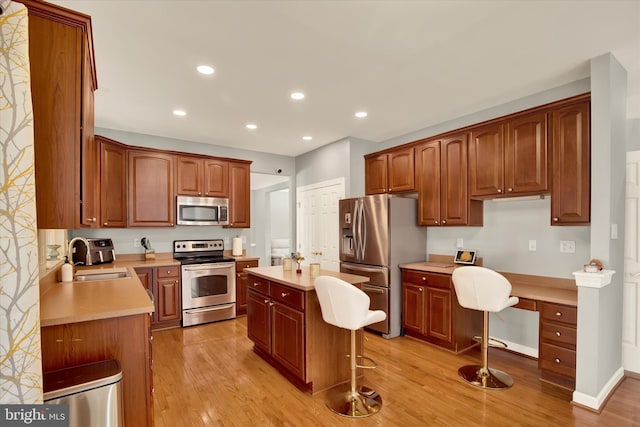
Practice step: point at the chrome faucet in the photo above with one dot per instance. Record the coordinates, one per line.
(86, 246)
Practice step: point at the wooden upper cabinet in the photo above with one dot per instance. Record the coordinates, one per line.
(456, 206)
(62, 84)
(428, 182)
(391, 172)
(509, 158)
(239, 195)
(441, 170)
(113, 183)
(216, 177)
(486, 161)
(151, 200)
(196, 176)
(571, 154)
(189, 176)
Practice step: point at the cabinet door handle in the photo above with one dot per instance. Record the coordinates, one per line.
(555, 219)
(91, 219)
(509, 189)
(557, 360)
(499, 190)
(266, 301)
(424, 279)
(558, 314)
(420, 289)
(105, 223)
(284, 294)
(558, 333)
(444, 221)
(436, 221)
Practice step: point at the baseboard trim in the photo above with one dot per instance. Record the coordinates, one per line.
(597, 403)
(519, 348)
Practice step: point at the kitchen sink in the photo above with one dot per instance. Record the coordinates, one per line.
(102, 274)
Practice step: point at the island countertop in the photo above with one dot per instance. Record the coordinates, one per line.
(302, 281)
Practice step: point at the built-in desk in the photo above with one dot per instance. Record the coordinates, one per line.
(556, 300)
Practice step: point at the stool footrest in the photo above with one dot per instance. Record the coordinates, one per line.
(372, 362)
(493, 342)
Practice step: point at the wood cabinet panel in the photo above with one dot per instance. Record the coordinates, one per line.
(526, 159)
(486, 160)
(428, 182)
(125, 339)
(571, 156)
(189, 175)
(430, 311)
(239, 195)
(558, 334)
(391, 172)
(55, 55)
(89, 152)
(259, 320)
(168, 296)
(242, 285)
(456, 207)
(216, 178)
(113, 184)
(287, 338)
(151, 200)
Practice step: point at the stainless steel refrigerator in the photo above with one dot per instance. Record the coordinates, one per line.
(377, 233)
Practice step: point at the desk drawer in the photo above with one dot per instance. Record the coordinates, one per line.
(427, 279)
(241, 265)
(527, 304)
(557, 359)
(559, 313)
(289, 296)
(259, 284)
(559, 334)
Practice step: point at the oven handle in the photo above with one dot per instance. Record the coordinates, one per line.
(208, 267)
(202, 310)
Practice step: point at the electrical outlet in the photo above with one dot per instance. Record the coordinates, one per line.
(459, 243)
(532, 245)
(136, 243)
(567, 246)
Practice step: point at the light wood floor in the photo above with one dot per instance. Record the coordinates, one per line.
(208, 375)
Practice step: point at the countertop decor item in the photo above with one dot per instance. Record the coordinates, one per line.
(53, 252)
(299, 258)
(237, 246)
(314, 269)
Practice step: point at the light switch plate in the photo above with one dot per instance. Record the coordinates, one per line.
(532, 245)
(459, 243)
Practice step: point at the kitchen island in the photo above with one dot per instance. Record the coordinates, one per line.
(284, 320)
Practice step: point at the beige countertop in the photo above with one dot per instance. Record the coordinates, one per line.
(80, 301)
(540, 288)
(302, 281)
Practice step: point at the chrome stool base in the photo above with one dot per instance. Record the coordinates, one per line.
(364, 403)
(493, 379)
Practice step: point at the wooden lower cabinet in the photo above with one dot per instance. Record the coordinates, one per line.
(242, 279)
(430, 311)
(287, 329)
(164, 284)
(126, 339)
(557, 350)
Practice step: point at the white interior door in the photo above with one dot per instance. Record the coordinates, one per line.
(631, 293)
(317, 223)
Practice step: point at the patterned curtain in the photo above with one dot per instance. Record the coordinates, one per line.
(20, 358)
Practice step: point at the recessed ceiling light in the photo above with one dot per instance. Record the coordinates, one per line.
(307, 138)
(205, 69)
(361, 114)
(297, 95)
(251, 126)
(179, 113)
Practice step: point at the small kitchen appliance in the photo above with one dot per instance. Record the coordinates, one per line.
(208, 281)
(91, 251)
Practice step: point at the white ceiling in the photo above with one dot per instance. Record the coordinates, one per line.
(410, 64)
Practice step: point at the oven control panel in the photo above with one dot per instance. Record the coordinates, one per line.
(190, 246)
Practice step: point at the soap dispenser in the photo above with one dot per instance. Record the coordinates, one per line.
(66, 270)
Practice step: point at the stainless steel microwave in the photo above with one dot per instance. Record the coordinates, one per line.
(202, 210)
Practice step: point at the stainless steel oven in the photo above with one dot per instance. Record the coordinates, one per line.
(208, 281)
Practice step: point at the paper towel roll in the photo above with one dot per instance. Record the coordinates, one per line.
(237, 246)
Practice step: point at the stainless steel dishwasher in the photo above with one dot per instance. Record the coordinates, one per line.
(92, 391)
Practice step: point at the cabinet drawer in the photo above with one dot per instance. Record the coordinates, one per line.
(427, 279)
(289, 296)
(168, 271)
(559, 313)
(241, 265)
(557, 359)
(527, 304)
(259, 284)
(561, 335)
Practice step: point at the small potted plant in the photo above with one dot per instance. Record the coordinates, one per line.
(298, 259)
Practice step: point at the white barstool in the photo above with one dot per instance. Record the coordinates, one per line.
(345, 306)
(479, 288)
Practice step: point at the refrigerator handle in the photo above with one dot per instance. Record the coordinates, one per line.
(363, 226)
(356, 228)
